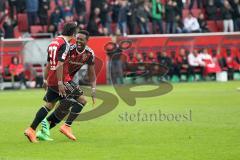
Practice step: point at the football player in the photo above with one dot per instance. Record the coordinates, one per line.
(54, 76)
(79, 55)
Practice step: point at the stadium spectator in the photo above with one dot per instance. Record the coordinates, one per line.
(164, 60)
(131, 64)
(170, 14)
(32, 10)
(136, 13)
(122, 17)
(132, 17)
(218, 59)
(203, 23)
(145, 57)
(94, 25)
(199, 4)
(191, 24)
(98, 3)
(115, 11)
(143, 12)
(182, 65)
(174, 70)
(106, 18)
(16, 6)
(139, 58)
(179, 8)
(236, 14)
(154, 67)
(227, 16)
(55, 20)
(210, 67)
(194, 63)
(8, 27)
(193, 59)
(211, 10)
(16, 70)
(80, 7)
(44, 6)
(232, 63)
(157, 16)
(141, 67)
(179, 25)
(218, 3)
(3, 8)
(66, 9)
(81, 21)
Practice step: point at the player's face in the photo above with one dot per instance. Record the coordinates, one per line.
(81, 42)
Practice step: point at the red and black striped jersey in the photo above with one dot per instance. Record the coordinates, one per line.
(77, 59)
(57, 50)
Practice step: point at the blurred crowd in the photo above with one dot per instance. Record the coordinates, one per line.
(198, 64)
(107, 17)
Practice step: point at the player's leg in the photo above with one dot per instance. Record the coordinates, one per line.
(74, 112)
(62, 109)
(60, 112)
(58, 115)
(76, 109)
(75, 101)
(50, 98)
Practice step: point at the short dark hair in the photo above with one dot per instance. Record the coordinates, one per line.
(69, 29)
(84, 32)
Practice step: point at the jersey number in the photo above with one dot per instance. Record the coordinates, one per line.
(52, 55)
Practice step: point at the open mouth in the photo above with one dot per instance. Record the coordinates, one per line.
(80, 45)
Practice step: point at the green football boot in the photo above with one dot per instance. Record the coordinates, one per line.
(45, 127)
(43, 137)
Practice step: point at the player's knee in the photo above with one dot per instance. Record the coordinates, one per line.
(49, 105)
(82, 100)
(65, 104)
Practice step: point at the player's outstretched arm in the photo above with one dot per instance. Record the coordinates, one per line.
(92, 78)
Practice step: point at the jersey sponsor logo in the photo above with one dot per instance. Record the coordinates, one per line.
(75, 62)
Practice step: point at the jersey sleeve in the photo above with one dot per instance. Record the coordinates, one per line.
(62, 52)
(91, 60)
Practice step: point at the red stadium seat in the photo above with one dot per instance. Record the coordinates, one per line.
(194, 11)
(215, 26)
(220, 25)
(212, 26)
(36, 29)
(22, 22)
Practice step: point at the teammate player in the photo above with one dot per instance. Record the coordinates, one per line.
(79, 55)
(57, 53)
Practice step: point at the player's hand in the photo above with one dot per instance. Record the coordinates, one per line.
(61, 90)
(93, 94)
(44, 84)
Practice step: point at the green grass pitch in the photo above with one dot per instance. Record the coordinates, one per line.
(213, 133)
